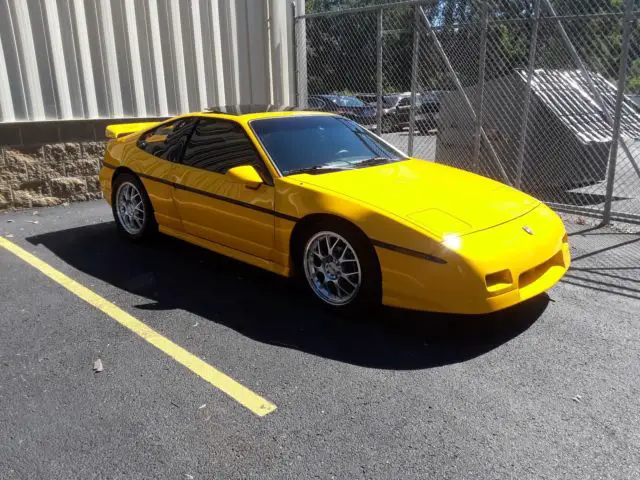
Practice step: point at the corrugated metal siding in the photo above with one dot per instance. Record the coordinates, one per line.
(64, 59)
(567, 95)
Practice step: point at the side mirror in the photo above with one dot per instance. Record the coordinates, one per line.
(246, 174)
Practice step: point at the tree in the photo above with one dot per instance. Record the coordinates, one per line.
(342, 48)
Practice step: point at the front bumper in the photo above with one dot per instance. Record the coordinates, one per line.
(525, 265)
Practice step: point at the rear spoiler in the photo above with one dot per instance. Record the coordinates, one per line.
(122, 129)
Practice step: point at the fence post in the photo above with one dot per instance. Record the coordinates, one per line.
(379, 73)
(296, 73)
(527, 93)
(615, 134)
(414, 76)
(483, 60)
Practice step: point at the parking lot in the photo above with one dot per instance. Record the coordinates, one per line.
(549, 389)
(545, 390)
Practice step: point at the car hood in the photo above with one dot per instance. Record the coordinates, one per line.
(441, 199)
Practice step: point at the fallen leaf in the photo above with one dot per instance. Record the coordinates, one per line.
(202, 406)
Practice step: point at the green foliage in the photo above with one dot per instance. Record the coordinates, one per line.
(342, 48)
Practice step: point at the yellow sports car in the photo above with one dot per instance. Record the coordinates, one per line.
(317, 196)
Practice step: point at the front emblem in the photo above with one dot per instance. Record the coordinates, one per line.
(528, 230)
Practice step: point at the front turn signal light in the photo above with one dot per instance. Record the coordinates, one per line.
(499, 281)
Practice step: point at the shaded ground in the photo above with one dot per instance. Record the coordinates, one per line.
(549, 389)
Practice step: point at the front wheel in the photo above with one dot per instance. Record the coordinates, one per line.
(341, 267)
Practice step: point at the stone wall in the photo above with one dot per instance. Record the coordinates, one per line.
(49, 163)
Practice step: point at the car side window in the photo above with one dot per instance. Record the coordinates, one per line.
(168, 140)
(218, 145)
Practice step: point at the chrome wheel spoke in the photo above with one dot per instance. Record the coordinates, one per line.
(346, 279)
(339, 288)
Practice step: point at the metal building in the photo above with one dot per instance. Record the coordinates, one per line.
(75, 59)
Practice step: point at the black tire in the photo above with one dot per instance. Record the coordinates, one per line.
(369, 293)
(149, 226)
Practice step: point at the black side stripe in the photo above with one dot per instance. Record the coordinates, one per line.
(156, 179)
(407, 251)
(236, 202)
(214, 196)
(377, 243)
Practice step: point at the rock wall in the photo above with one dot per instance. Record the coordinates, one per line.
(49, 163)
(45, 175)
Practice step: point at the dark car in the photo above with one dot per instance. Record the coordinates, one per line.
(350, 107)
(427, 107)
(395, 108)
(370, 99)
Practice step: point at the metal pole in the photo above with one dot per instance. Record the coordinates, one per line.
(414, 76)
(483, 60)
(527, 93)
(590, 84)
(467, 102)
(379, 73)
(296, 88)
(615, 135)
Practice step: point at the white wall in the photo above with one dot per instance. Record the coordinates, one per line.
(64, 59)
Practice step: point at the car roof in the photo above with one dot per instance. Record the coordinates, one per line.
(254, 111)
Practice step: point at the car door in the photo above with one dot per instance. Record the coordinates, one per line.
(152, 158)
(214, 206)
(403, 109)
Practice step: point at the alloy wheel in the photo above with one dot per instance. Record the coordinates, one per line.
(332, 268)
(130, 208)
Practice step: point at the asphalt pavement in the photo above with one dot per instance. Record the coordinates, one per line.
(549, 389)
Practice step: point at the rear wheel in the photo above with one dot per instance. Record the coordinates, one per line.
(340, 266)
(132, 208)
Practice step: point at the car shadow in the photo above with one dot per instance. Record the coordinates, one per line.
(267, 308)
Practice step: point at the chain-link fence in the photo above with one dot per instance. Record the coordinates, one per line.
(538, 94)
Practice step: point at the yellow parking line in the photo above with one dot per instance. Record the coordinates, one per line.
(215, 377)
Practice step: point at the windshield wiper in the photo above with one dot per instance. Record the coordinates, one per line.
(370, 162)
(317, 168)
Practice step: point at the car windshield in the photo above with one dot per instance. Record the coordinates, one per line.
(347, 101)
(298, 143)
